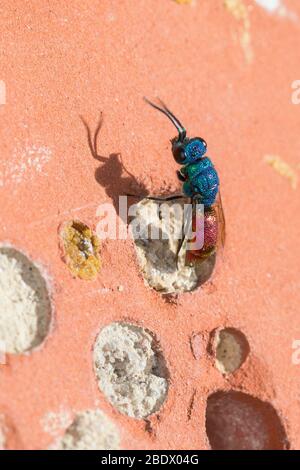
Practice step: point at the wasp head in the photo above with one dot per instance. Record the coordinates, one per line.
(188, 151)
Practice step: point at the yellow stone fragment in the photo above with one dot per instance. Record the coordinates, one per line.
(81, 250)
(282, 168)
(237, 8)
(184, 2)
(240, 11)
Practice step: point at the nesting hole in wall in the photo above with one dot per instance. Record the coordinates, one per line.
(130, 369)
(238, 421)
(232, 349)
(25, 307)
(80, 250)
(157, 257)
(90, 430)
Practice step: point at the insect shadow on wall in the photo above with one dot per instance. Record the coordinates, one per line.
(111, 174)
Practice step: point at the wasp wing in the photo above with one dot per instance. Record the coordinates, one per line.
(198, 257)
(218, 206)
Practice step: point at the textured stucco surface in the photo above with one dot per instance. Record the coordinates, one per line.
(25, 308)
(90, 430)
(130, 372)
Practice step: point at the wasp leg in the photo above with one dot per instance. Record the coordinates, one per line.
(180, 176)
(167, 198)
(136, 196)
(154, 198)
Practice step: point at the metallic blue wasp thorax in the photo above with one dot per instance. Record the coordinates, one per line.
(202, 181)
(194, 149)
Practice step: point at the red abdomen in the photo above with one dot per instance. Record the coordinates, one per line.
(210, 234)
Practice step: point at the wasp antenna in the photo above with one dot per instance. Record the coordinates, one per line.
(170, 115)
